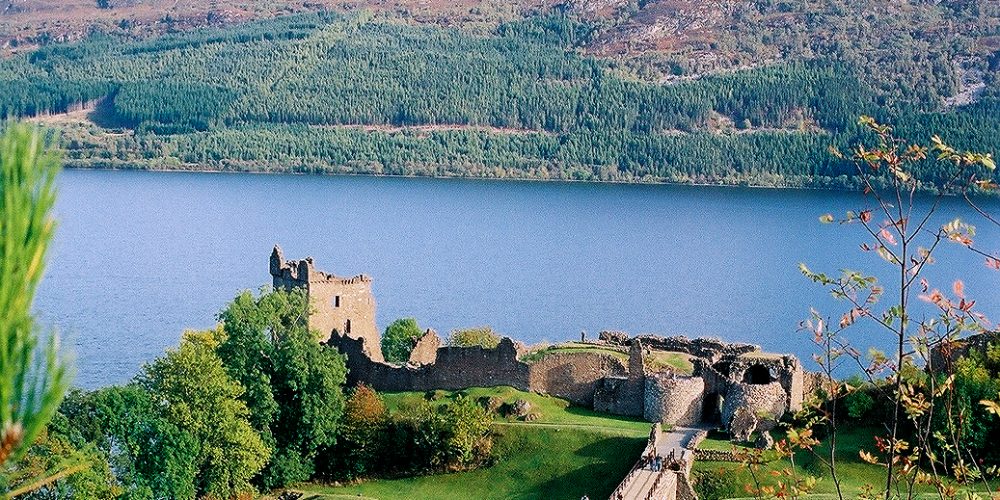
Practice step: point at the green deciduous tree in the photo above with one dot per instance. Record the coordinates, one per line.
(294, 383)
(399, 338)
(51, 451)
(192, 389)
(151, 457)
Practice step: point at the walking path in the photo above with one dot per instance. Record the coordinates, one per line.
(674, 441)
(654, 479)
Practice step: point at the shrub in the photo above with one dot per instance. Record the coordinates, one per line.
(450, 437)
(482, 336)
(361, 440)
(859, 404)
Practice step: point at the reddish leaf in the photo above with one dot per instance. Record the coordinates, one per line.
(887, 236)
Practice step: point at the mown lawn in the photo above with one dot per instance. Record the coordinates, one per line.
(567, 453)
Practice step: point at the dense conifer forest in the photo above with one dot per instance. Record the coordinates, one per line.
(363, 93)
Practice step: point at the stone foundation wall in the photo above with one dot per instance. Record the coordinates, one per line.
(574, 377)
(715, 456)
(674, 400)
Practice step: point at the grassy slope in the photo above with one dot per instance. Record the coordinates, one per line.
(567, 453)
(570, 348)
(676, 360)
(534, 463)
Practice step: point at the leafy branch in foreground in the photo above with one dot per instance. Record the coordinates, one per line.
(33, 378)
(921, 445)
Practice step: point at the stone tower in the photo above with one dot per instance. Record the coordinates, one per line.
(341, 306)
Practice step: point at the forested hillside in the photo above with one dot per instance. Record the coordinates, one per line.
(366, 93)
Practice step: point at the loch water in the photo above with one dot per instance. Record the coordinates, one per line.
(141, 256)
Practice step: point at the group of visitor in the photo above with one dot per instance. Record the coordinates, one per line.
(652, 462)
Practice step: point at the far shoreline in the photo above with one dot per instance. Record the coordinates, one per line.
(652, 182)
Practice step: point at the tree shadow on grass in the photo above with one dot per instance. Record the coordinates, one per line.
(614, 457)
(586, 412)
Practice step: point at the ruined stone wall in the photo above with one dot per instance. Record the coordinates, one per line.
(425, 349)
(716, 456)
(811, 383)
(574, 377)
(341, 306)
(454, 368)
(785, 370)
(767, 399)
(462, 367)
(622, 394)
(674, 400)
(715, 381)
(794, 382)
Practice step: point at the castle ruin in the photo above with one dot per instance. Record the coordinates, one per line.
(730, 383)
(340, 306)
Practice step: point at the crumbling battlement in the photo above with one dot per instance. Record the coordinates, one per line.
(341, 306)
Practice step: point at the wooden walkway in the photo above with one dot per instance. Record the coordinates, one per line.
(644, 481)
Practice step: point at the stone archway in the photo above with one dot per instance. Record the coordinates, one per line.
(711, 410)
(757, 375)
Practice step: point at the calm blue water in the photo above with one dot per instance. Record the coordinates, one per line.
(140, 256)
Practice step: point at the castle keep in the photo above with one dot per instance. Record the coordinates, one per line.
(735, 386)
(341, 306)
